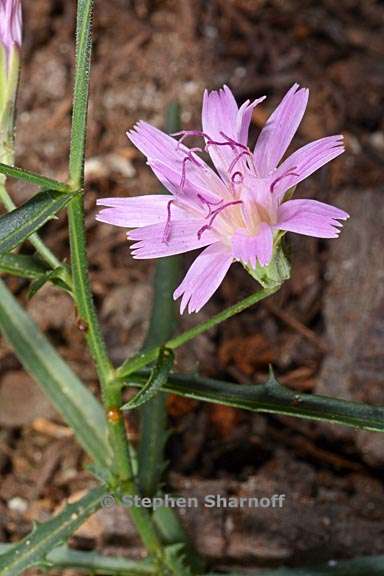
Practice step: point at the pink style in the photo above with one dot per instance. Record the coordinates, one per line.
(235, 213)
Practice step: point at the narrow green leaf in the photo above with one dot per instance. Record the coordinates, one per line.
(95, 563)
(35, 547)
(76, 404)
(18, 225)
(154, 383)
(22, 265)
(33, 178)
(175, 558)
(56, 276)
(274, 398)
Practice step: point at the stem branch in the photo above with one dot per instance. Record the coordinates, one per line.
(141, 360)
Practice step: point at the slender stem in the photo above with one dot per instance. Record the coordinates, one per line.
(141, 360)
(80, 93)
(112, 398)
(273, 398)
(76, 216)
(82, 292)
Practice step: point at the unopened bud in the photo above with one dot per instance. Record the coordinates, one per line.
(10, 43)
(10, 24)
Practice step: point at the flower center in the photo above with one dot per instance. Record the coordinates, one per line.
(214, 215)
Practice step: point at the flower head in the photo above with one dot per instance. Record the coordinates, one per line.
(10, 24)
(237, 213)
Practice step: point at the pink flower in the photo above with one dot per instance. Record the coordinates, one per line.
(10, 24)
(236, 213)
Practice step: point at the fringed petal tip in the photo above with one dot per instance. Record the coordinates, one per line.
(311, 218)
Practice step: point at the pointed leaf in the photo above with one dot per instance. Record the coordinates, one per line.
(32, 177)
(71, 398)
(34, 548)
(272, 397)
(156, 380)
(19, 224)
(56, 276)
(22, 265)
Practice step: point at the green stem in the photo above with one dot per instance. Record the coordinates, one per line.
(83, 295)
(77, 235)
(80, 93)
(273, 398)
(141, 360)
(112, 398)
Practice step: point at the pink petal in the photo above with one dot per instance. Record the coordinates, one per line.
(183, 237)
(166, 153)
(305, 161)
(137, 211)
(311, 218)
(257, 199)
(10, 23)
(243, 119)
(248, 249)
(204, 183)
(204, 277)
(279, 130)
(220, 115)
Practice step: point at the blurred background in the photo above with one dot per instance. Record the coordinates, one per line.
(323, 332)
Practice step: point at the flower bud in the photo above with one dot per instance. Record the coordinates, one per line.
(10, 24)
(10, 44)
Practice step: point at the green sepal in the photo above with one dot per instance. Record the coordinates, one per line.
(277, 271)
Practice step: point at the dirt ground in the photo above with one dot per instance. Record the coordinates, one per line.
(323, 332)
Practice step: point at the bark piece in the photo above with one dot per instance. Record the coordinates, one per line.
(354, 315)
